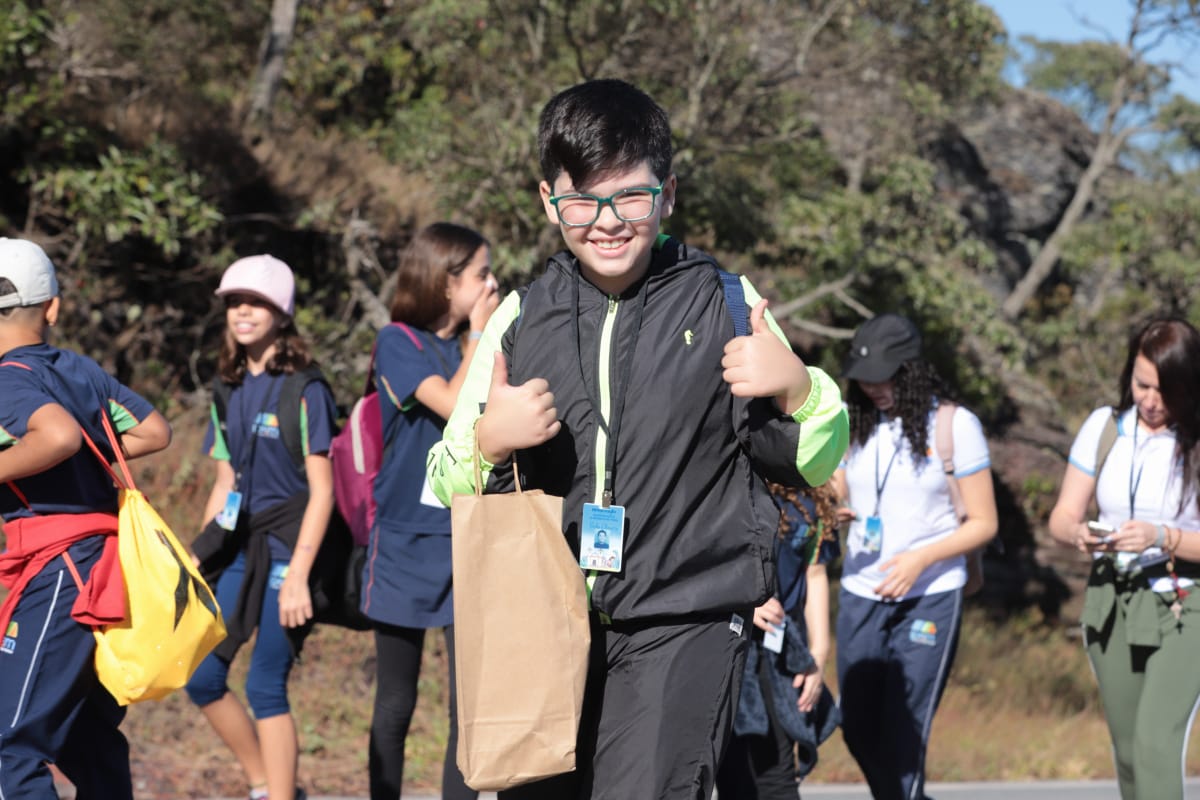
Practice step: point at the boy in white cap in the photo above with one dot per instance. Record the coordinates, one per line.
(60, 566)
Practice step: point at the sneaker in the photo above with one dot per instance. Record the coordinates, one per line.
(261, 794)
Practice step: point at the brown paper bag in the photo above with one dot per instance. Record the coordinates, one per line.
(521, 638)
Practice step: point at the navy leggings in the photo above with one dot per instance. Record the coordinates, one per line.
(398, 665)
(271, 661)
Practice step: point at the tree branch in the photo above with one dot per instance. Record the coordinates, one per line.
(271, 59)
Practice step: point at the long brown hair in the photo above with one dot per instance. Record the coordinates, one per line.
(292, 352)
(422, 275)
(1173, 346)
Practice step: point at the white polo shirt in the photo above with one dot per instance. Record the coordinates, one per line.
(1150, 475)
(914, 503)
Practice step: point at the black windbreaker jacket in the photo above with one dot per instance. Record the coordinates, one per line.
(690, 458)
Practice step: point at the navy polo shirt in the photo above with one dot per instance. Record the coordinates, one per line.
(800, 547)
(38, 375)
(255, 448)
(409, 429)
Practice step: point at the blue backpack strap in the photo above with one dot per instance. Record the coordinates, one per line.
(735, 301)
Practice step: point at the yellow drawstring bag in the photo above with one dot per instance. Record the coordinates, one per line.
(172, 620)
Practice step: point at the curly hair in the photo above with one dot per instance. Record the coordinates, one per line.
(824, 500)
(916, 385)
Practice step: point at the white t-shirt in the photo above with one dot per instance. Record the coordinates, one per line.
(914, 503)
(1151, 475)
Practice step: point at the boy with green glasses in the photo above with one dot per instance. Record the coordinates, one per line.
(618, 376)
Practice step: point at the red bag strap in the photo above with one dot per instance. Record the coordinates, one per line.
(116, 446)
(112, 439)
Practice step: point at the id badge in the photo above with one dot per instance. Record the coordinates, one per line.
(873, 534)
(773, 639)
(1151, 557)
(602, 537)
(227, 517)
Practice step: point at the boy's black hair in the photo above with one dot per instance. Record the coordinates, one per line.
(8, 287)
(602, 126)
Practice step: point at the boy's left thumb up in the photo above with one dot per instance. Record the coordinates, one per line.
(758, 320)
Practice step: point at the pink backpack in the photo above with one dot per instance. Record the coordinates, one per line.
(357, 454)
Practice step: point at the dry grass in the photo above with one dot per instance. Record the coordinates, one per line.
(1021, 703)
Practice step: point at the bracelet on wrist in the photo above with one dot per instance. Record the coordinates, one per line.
(1160, 535)
(475, 336)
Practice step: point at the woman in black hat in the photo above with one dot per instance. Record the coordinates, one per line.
(916, 488)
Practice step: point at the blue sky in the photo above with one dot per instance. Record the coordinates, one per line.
(1075, 20)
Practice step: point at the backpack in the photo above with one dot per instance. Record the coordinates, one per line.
(357, 455)
(943, 437)
(336, 581)
(1108, 437)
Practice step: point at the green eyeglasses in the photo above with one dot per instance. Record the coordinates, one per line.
(629, 205)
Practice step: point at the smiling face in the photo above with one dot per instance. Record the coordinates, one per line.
(612, 254)
(253, 322)
(1147, 395)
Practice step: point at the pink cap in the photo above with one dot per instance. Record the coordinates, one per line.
(262, 276)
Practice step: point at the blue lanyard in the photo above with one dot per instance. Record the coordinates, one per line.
(878, 483)
(1134, 483)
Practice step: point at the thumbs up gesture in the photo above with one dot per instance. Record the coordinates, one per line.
(762, 365)
(516, 417)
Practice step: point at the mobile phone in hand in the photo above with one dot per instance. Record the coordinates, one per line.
(1105, 532)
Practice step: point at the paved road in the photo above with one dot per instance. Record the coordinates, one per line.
(1022, 790)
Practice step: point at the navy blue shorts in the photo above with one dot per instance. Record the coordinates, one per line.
(52, 706)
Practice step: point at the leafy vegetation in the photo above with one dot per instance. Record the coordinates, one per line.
(854, 156)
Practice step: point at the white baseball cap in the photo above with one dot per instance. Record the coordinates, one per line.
(28, 268)
(262, 276)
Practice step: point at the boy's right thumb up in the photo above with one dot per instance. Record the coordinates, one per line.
(499, 372)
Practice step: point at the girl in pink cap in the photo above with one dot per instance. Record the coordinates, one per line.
(266, 517)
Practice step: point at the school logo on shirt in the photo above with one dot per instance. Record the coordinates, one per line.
(10, 639)
(923, 632)
(266, 425)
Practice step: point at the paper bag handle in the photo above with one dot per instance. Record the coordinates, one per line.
(478, 471)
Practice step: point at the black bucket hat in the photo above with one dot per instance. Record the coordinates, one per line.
(879, 347)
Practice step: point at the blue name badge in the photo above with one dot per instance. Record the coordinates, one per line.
(227, 516)
(872, 534)
(602, 537)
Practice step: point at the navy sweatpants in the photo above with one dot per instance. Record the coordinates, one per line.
(893, 661)
(52, 706)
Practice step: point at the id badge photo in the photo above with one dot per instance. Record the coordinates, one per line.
(872, 534)
(602, 538)
(228, 515)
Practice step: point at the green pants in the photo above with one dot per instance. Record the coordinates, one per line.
(1149, 692)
